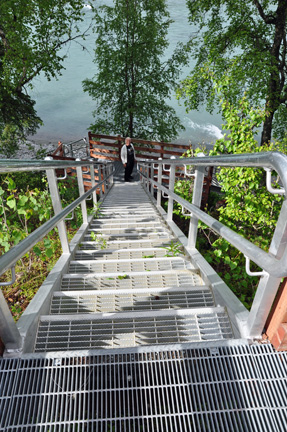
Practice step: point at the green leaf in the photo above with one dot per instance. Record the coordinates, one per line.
(49, 252)
(123, 277)
(11, 202)
(11, 184)
(37, 251)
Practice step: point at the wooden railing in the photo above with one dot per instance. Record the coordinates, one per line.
(109, 147)
(59, 150)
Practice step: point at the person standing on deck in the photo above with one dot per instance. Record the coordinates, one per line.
(128, 158)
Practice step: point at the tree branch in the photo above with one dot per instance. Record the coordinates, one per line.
(268, 19)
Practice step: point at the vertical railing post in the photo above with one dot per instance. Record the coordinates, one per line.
(57, 206)
(93, 183)
(152, 177)
(141, 172)
(81, 192)
(268, 285)
(171, 188)
(119, 146)
(111, 179)
(159, 179)
(9, 332)
(196, 200)
(105, 177)
(100, 179)
(146, 178)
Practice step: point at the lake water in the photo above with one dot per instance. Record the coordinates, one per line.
(67, 111)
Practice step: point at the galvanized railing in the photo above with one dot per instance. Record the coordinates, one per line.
(9, 332)
(273, 263)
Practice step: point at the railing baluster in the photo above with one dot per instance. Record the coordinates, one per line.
(196, 200)
(171, 188)
(268, 285)
(81, 192)
(9, 332)
(57, 206)
(159, 179)
(93, 183)
(152, 176)
(100, 179)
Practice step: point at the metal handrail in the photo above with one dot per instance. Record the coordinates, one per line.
(273, 262)
(274, 160)
(16, 252)
(272, 265)
(12, 165)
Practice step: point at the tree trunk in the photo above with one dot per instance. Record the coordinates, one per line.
(275, 80)
(267, 129)
(131, 125)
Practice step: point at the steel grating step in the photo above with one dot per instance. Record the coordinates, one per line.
(199, 390)
(183, 279)
(129, 211)
(127, 220)
(130, 329)
(144, 210)
(131, 215)
(137, 229)
(128, 265)
(129, 244)
(118, 254)
(124, 225)
(79, 302)
(140, 235)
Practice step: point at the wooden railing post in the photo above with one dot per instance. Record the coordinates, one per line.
(90, 146)
(162, 150)
(120, 147)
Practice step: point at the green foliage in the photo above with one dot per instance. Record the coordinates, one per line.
(249, 208)
(132, 83)
(25, 180)
(18, 119)
(22, 210)
(248, 38)
(228, 263)
(99, 239)
(173, 249)
(244, 203)
(123, 277)
(31, 36)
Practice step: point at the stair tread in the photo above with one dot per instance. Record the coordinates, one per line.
(172, 289)
(136, 315)
(115, 254)
(130, 300)
(130, 265)
(129, 329)
(124, 290)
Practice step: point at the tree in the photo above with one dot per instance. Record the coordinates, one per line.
(248, 38)
(32, 34)
(133, 84)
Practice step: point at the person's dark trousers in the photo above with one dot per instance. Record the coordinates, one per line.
(129, 168)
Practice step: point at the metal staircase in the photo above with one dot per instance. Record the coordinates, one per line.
(123, 290)
(133, 330)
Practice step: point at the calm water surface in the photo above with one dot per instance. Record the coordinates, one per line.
(67, 111)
